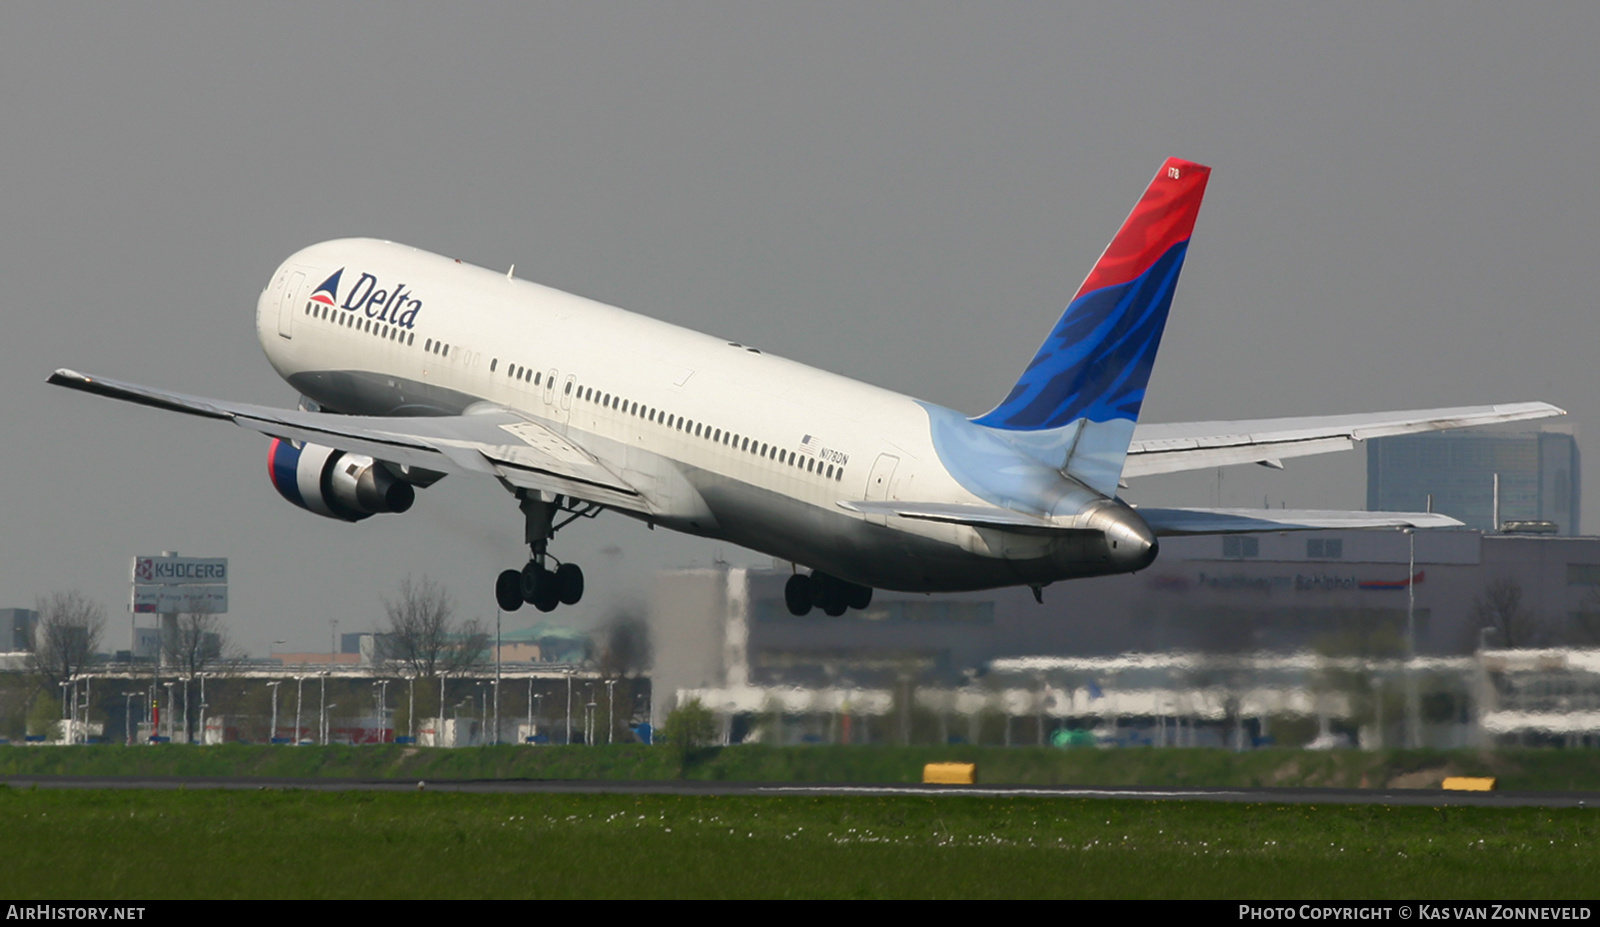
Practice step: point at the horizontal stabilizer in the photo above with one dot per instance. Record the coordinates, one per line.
(1170, 522)
(1179, 446)
(974, 516)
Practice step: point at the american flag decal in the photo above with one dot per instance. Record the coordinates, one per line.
(808, 445)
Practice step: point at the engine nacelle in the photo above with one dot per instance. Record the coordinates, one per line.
(334, 483)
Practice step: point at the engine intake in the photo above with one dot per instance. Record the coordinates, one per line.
(335, 484)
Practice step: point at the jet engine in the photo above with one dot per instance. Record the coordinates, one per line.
(334, 483)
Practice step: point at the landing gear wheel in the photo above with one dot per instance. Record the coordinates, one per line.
(859, 597)
(508, 590)
(797, 595)
(829, 594)
(532, 577)
(539, 588)
(569, 583)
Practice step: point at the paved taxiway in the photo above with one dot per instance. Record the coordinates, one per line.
(1424, 797)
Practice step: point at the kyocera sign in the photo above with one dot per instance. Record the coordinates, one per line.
(179, 570)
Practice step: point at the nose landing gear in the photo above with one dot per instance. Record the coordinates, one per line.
(537, 584)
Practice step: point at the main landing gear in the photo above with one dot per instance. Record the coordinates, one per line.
(834, 596)
(536, 583)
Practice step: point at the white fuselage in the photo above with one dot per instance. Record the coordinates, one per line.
(722, 440)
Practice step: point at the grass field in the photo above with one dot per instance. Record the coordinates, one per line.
(297, 844)
(1534, 770)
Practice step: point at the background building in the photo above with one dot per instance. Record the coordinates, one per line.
(1538, 475)
(1260, 610)
(16, 629)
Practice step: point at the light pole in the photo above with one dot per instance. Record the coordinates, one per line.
(272, 735)
(611, 711)
(483, 709)
(382, 686)
(322, 708)
(299, 697)
(496, 739)
(411, 707)
(532, 731)
(588, 718)
(438, 726)
(202, 709)
(169, 686)
(66, 700)
(127, 720)
(569, 708)
(1413, 706)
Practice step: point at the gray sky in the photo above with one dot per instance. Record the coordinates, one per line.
(1401, 214)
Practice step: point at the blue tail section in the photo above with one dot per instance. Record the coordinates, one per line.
(1098, 358)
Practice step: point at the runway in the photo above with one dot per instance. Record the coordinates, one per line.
(1304, 796)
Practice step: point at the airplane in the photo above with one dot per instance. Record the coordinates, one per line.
(412, 366)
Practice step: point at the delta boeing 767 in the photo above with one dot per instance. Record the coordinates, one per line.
(413, 366)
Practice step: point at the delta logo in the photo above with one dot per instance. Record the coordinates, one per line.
(328, 293)
(397, 306)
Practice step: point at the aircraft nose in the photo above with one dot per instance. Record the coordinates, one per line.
(1131, 543)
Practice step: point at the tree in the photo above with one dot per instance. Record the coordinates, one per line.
(627, 650)
(199, 642)
(68, 635)
(690, 725)
(1584, 628)
(1500, 607)
(423, 635)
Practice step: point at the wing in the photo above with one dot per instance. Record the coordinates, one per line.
(494, 440)
(1169, 522)
(1170, 448)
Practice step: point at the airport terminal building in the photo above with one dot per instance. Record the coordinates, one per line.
(1257, 605)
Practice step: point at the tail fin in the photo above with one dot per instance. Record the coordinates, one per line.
(1094, 366)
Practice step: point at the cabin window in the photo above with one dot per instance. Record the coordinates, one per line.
(536, 379)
